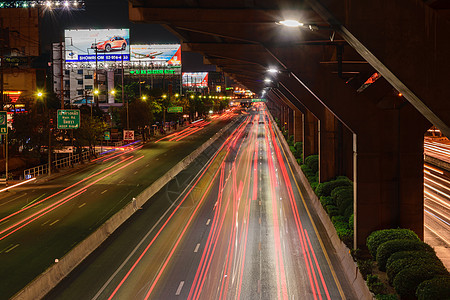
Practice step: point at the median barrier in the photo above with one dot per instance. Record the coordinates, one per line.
(45, 282)
(347, 263)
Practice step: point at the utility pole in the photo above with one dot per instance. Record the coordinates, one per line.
(61, 51)
(2, 66)
(123, 97)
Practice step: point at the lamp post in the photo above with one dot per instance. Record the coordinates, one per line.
(164, 111)
(40, 95)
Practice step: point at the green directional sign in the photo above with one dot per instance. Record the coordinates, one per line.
(107, 136)
(259, 100)
(68, 118)
(3, 122)
(175, 109)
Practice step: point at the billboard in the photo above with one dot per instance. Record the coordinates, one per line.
(169, 53)
(195, 79)
(111, 44)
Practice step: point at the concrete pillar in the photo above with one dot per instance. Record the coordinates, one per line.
(389, 174)
(310, 135)
(328, 146)
(290, 121)
(298, 126)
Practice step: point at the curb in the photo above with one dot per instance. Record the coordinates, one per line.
(45, 282)
(349, 267)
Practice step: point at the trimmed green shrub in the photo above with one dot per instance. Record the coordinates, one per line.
(349, 212)
(404, 263)
(292, 150)
(407, 280)
(435, 288)
(409, 254)
(378, 237)
(325, 189)
(386, 297)
(386, 249)
(290, 140)
(341, 219)
(299, 161)
(314, 185)
(312, 162)
(325, 201)
(375, 285)
(299, 146)
(351, 221)
(346, 236)
(365, 267)
(342, 191)
(332, 210)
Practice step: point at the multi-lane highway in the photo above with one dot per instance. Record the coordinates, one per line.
(233, 225)
(42, 220)
(437, 211)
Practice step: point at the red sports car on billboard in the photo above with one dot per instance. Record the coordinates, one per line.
(114, 43)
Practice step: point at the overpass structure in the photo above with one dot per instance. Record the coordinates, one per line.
(357, 81)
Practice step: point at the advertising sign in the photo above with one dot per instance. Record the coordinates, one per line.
(68, 118)
(175, 109)
(3, 122)
(107, 136)
(196, 79)
(111, 45)
(128, 135)
(169, 53)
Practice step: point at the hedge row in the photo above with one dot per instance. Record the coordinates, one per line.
(336, 197)
(412, 266)
(311, 170)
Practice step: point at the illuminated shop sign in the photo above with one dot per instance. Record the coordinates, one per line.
(154, 72)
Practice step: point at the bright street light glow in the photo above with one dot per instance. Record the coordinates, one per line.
(39, 94)
(177, 95)
(49, 4)
(267, 80)
(113, 92)
(164, 96)
(96, 92)
(144, 98)
(272, 70)
(291, 23)
(66, 4)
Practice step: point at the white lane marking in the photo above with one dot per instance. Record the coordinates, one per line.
(10, 249)
(147, 165)
(53, 223)
(45, 223)
(180, 286)
(136, 172)
(104, 191)
(82, 205)
(196, 248)
(207, 222)
(100, 291)
(121, 181)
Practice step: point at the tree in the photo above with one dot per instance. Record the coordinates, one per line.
(91, 130)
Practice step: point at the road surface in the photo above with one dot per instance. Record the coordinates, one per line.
(41, 221)
(237, 228)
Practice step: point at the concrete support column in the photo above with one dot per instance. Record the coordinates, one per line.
(298, 126)
(389, 174)
(328, 146)
(310, 135)
(290, 126)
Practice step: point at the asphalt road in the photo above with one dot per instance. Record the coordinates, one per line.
(437, 212)
(233, 225)
(43, 220)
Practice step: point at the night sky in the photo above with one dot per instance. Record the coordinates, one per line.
(111, 14)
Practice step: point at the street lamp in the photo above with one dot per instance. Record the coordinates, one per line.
(144, 97)
(267, 80)
(40, 95)
(177, 95)
(291, 23)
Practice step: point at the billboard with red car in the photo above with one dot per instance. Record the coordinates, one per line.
(90, 45)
